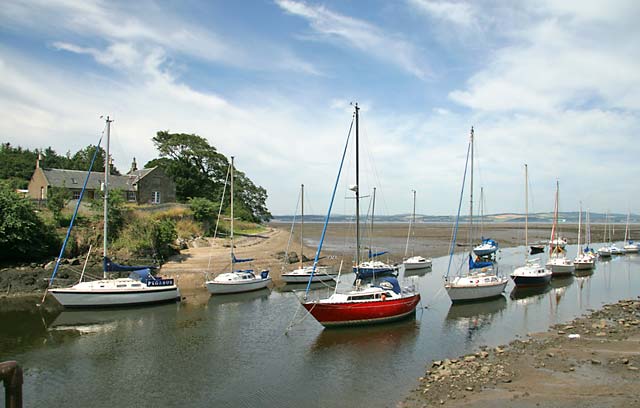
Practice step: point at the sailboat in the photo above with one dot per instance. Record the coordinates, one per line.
(480, 282)
(532, 273)
(415, 261)
(140, 288)
(373, 267)
(605, 251)
(487, 246)
(558, 262)
(303, 273)
(376, 302)
(588, 250)
(583, 261)
(237, 281)
(629, 245)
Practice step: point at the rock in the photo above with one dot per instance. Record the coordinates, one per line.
(436, 363)
(625, 361)
(468, 359)
(632, 368)
(596, 362)
(484, 354)
(550, 354)
(601, 334)
(49, 266)
(469, 388)
(561, 332)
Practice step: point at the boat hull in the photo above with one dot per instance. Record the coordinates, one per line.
(409, 264)
(303, 278)
(562, 270)
(484, 251)
(72, 298)
(581, 266)
(460, 293)
(361, 313)
(221, 288)
(531, 281)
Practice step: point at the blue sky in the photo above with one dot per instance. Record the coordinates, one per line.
(552, 84)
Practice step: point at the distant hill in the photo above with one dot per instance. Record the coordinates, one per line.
(569, 217)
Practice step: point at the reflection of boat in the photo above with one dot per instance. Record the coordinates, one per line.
(237, 281)
(373, 303)
(140, 288)
(476, 309)
(561, 282)
(584, 273)
(388, 338)
(295, 287)
(519, 293)
(417, 272)
(104, 320)
(260, 294)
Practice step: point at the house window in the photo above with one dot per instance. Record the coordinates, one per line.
(76, 194)
(155, 197)
(131, 196)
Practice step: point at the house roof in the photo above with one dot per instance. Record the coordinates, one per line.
(75, 179)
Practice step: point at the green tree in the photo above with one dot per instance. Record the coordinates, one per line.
(204, 211)
(57, 199)
(23, 235)
(116, 212)
(200, 171)
(163, 235)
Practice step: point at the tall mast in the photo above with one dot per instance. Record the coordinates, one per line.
(588, 230)
(301, 224)
(580, 228)
(471, 197)
(412, 221)
(526, 209)
(373, 210)
(357, 191)
(233, 258)
(626, 230)
(482, 212)
(107, 169)
(555, 221)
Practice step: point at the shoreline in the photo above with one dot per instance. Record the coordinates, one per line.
(593, 360)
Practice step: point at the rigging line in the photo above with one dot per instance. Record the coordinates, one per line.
(455, 231)
(75, 213)
(285, 260)
(215, 232)
(326, 221)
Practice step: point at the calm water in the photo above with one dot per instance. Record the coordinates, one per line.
(232, 352)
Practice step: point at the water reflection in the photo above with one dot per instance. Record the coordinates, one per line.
(527, 295)
(472, 318)
(235, 298)
(378, 339)
(417, 272)
(301, 287)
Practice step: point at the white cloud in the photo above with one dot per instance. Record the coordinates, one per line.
(360, 35)
(455, 12)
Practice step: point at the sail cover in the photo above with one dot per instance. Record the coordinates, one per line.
(375, 254)
(110, 266)
(478, 265)
(390, 283)
(236, 260)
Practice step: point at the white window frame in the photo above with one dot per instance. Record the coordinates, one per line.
(155, 197)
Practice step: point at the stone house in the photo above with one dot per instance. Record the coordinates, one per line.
(146, 186)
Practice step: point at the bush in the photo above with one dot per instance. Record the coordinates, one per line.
(23, 235)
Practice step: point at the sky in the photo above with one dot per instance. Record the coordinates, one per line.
(554, 84)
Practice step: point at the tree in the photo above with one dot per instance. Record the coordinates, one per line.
(115, 211)
(57, 199)
(23, 235)
(200, 171)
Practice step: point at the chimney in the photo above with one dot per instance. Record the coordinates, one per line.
(38, 160)
(134, 166)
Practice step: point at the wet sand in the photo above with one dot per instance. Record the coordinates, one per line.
(593, 361)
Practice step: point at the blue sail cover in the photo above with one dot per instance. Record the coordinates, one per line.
(110, 266)
(478, 265)
(489, 241)
(375, 254)
(236, 260)
(390, 283)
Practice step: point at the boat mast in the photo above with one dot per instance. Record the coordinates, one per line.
(626, 230)
(357, 191)
(412, 221)
(555, 221)
(301, 224)
(107, 170)
(373, 210)
(471, 199)
(526, 210)
(580, 229)
(233, 258)
(482, 212)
